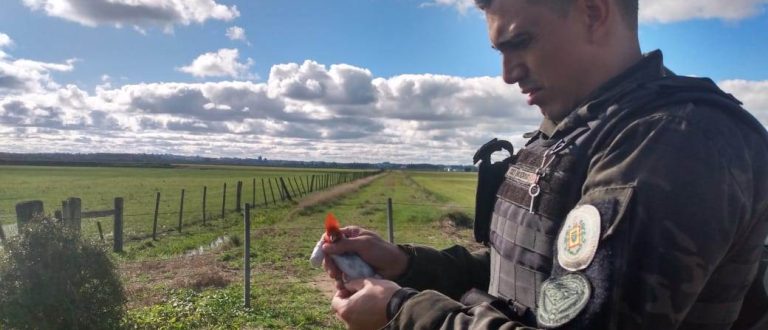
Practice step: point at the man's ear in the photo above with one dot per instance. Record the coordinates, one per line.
(595, 15)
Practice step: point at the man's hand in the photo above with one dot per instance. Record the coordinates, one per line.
(385, 258)
(363, 304)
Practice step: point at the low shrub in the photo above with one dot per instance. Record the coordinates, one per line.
(51, 279)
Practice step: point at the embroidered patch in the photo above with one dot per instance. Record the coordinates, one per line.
(561, 299)
(520, 175)
(578, 239)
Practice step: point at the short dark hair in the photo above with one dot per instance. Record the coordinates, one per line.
(628, 8)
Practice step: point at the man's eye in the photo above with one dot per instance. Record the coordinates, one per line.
(515, 44)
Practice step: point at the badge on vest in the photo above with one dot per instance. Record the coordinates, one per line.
(561, 299)
(578, 238)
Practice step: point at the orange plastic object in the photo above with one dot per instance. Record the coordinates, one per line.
(332, 231)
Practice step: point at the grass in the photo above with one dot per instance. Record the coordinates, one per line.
(98, 186)
(172, 292)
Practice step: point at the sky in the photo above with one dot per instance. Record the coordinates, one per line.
(406, 81)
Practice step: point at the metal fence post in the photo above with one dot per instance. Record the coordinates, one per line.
(118, 226)
(181, 209)
(205, 195)
(390, 224)
(224, 200)
(247, 256)
(238, 196)
(154, 222)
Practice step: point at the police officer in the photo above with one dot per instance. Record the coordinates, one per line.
(639, 203)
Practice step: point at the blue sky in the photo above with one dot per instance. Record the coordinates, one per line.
(345, 80)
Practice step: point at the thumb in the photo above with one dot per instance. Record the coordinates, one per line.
(357, 285)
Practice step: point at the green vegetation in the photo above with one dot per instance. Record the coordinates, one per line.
(47, 273)
(169, 291)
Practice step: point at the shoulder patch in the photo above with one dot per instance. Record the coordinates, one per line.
(578, 238)
(561, 299)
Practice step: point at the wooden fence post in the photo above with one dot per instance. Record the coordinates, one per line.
(154, 222)
(291, 185)
(264, 191)
(298, 188)
(25, 211)
(272, 191)
(181, 209)
(390, 223)
(205, 195)
(287, 195)
(101, 232)
(280, 190)
(75, 209)
(301, 180)
(238, 196)
(312, 184)
(118, 225)
(224, 200)
(247, 256)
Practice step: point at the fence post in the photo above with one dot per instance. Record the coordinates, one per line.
(287, 195)
(298, 188)
(223, 200)
(205, 194)
(264, 191)
(312, 184)
(306, 187)
(390, 224)
(25, 211)
(291, 185)
(247, 256)
(154, 222)
(181, 209)
(253, 197)
(238, 196)
(64, 212)
(75, 209)
(272, 191)
(2, 232)
(118, 226)
(101, 232)
(280, 190)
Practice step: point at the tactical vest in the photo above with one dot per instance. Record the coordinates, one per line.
(544, 180)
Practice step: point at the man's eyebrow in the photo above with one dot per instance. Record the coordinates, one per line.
(514, 42)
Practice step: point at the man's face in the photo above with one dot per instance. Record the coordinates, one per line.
(544, 52)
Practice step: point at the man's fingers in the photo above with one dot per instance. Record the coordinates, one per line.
(352, 244)
(333, 271)
(356, 285)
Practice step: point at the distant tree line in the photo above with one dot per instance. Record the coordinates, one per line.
(167, 160)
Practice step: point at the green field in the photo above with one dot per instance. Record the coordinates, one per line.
(175, 292)
(98, 186)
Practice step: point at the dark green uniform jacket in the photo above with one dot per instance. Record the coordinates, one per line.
(673, 194)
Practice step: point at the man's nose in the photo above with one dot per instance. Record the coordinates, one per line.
(513, 69)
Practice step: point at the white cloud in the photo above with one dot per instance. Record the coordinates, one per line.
(303, 111)
(137, 13)
(236, 33)
(5, 40)
(461, 5)
(22, 75)
(754, 94)
(662, 11)
(223, 63)
(665, 11)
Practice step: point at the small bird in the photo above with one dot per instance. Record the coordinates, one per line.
(349, 263)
